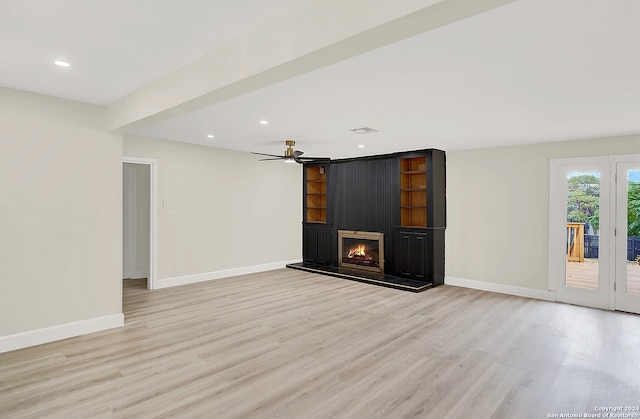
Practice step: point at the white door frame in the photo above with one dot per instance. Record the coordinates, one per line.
(153, 215)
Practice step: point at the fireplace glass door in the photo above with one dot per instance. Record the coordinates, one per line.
(361, 250)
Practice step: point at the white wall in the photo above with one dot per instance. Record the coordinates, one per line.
(60, 218)
(220, 211)
(498, 209)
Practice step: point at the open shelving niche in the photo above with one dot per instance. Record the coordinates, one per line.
(413, 192)
(316, 194)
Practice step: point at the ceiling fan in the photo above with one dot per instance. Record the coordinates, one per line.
(291, 155)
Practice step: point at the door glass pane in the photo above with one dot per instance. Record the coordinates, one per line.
(583, 223)
(633, 233)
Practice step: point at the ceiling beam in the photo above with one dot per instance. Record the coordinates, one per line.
(314, 34)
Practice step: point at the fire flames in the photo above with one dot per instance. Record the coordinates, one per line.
(357, 251)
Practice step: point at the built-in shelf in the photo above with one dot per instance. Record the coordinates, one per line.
(316, 194)
(413, 192)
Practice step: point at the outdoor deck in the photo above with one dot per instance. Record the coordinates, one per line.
(585, 275)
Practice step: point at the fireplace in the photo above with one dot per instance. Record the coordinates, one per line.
(361, 250)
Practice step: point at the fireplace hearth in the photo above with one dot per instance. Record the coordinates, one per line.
(361, 250)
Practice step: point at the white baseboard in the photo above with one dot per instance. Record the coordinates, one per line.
(208, 276)
(501, 288)
(59, 332)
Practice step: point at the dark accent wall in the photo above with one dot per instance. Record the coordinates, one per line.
(364, 196)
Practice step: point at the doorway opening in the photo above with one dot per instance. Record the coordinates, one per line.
(139, 232)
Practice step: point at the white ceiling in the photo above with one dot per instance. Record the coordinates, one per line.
(527, 72)
(114, 46)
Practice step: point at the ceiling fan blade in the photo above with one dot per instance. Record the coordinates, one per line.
(277, 158)
(270, 155)
(314, 158)
(297, 153)
(303, 160)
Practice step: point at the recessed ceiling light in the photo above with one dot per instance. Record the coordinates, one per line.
(360, 145)
(210, 136)
(62, 63)
(264, 122)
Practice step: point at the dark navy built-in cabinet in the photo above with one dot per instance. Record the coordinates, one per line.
(402, 195)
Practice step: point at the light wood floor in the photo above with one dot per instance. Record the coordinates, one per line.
(292, 344)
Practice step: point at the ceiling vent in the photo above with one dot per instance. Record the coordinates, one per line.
(364, 130)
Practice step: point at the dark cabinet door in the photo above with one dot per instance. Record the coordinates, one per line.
(412, 254)
(316, 241)
(322, 241)
(403, 253)
(419, 256)
(310, 244)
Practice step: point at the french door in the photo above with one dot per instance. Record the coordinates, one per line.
(580, 220)
(627, 282)
(594, 220)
